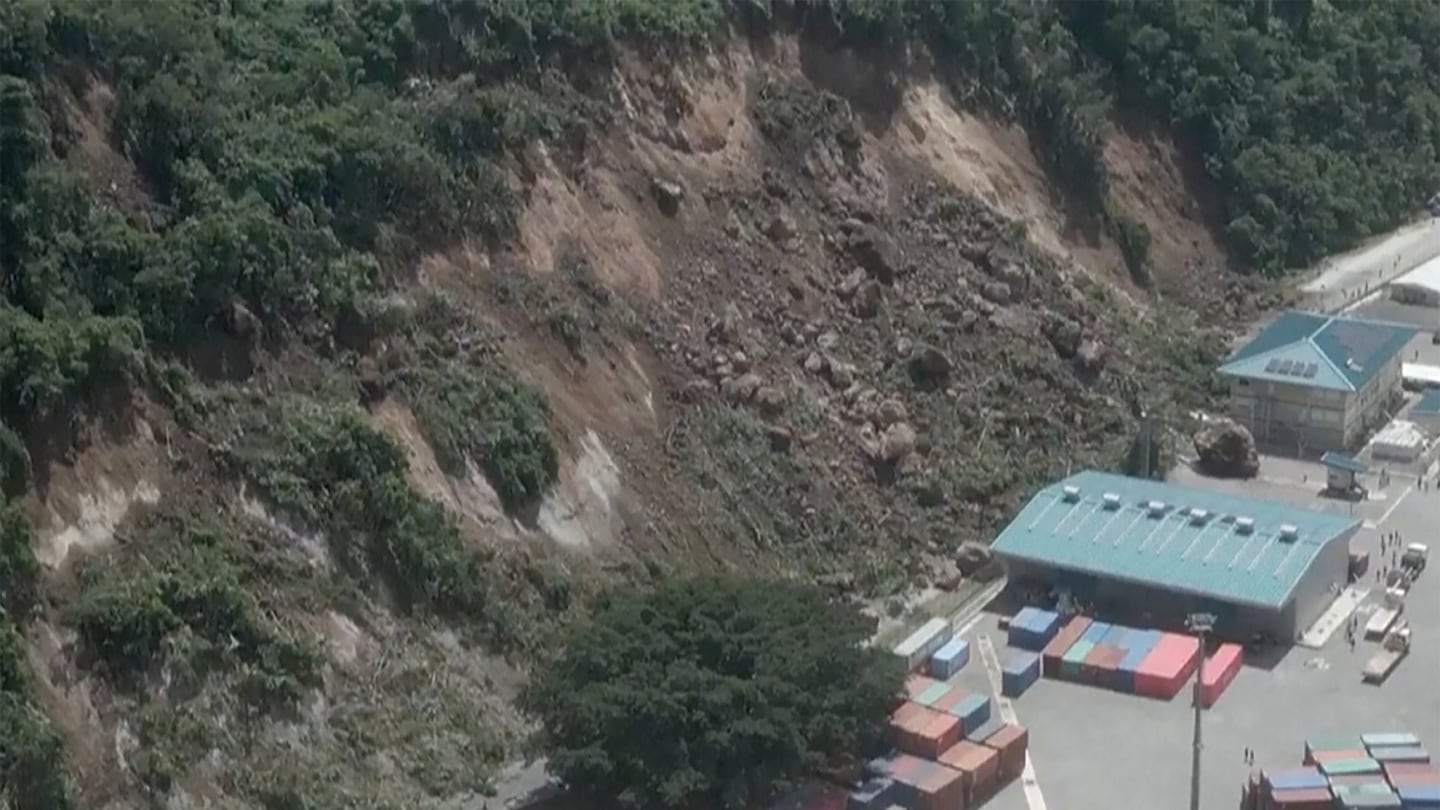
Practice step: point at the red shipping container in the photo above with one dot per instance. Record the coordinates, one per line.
(1011, 742)
(1219, 670)
(942, 789)
(980, 765)
(1105, 664)
(1058, 645)
(915, 684)
(1302, 799)
(906, 724)
(1412, 776)
(950, 700)
(1166, 668)
(1341, 756)
(939, 734)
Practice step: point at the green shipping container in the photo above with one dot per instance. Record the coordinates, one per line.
(1348, 766)
(1372, 789)
(932, 693)
(1074, 658)
(1336, 742)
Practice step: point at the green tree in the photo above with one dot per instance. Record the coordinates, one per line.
(710, 691)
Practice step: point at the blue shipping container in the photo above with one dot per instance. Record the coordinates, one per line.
(950, 659)
(1408, 753)
(1419, 795)
(1116, 636)
(1019, 672)
(1296, 779)
(973, 712)
(1095, 632)
(986, 730)
(1045, 624)
(877, 794)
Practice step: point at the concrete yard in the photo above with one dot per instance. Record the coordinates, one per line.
(1093, 749)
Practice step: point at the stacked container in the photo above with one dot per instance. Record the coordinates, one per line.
(1010, 742)
(1061, 643)
(1073, 660)
(980, 767)
(1316, 745)
(1365, 796)
(1302, 799)
(924, 785)
(934, 693)
(923, 643)
(1400, 754)
(1421, 797)
(984, 731)
(972, 711)
(922, 731)
(875, 794)
(1344, 767)
(1019, 672)
(1169, 664)
(950, 659)
(1032, 628)
(1099, 666)
(1304, 778)
(1219, 670)
(1139, 643)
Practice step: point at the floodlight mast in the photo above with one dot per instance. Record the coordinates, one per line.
(1201, 624)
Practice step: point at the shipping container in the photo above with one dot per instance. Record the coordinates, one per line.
(1419, 795)
(1386, 739)
(1412, 753)
(980, 765)
(1100, 666)
(1044, 624)
(933, 693)
(982, 732)
(1331, 743)
(950, 659)
(1011, 743)
(1375, 788)
(908, 773)
(1306, 799)
(1070, 663)
(1019, 672)
(1219, 670)
(1115, 636)
(942, 789)
(950, 700)
(1095, 633)
(1337, 756)
(919, 645)
(1061, 643)
(1169, 664)
(973, 712)
(1358, 800)
(1032, 628)
(873, 795)
(940, 733)
(1304, 778)
(907, 725)
(1410, 773)
(915, 684)
(1358, 780)
(1140, 643)
(1335, 767)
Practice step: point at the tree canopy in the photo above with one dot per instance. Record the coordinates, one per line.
(710, 692)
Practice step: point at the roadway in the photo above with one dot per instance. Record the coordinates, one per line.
(1347, 280)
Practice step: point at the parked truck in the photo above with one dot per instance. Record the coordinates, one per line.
(1395, 647)
(1385, 616)
(1414, 559)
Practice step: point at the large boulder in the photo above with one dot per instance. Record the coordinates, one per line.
(1227, 450)
(973, 558)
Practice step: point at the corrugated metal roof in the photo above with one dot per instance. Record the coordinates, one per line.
(1206, 552)
(1429, 403)
(1319, 351)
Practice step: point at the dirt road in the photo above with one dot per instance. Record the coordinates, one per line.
(1343, 282)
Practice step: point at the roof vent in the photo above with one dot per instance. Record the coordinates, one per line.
(1244, 525)
(1112, 501)
(1072, 494)
(1198, 516)
(1155, 508)
(1289, 532)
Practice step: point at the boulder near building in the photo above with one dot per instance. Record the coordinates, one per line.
(1317, 382)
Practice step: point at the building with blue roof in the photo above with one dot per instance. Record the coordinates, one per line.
(1426, 411)
(1317, 382)
(1159, 552)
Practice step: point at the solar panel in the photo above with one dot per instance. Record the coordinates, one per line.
(1285, 366)
(1271, 366)
(1310, 369)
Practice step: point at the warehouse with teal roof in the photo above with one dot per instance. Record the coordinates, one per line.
(1157, 552)
(1312, 382)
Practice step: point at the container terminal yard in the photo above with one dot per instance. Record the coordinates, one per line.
(1303, 625)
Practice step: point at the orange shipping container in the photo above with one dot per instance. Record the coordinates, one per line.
(950, 700)
(942, 789)
(1058, 645)
(1100, 665)
(906, 724)
(980, 765)
(1341, 756)
(1011, 742)
(939, 734)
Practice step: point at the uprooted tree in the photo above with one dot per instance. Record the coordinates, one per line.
(709, 692)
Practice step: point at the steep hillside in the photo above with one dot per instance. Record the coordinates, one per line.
(349, 351)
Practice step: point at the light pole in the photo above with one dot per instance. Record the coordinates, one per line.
(1201, 624)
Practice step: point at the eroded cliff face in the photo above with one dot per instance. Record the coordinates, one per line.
(792, 313)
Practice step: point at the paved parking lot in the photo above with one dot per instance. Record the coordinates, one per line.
(1095, 750)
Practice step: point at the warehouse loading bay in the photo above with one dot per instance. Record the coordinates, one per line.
(1096, 749)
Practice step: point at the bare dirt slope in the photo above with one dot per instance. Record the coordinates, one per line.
(791, 314)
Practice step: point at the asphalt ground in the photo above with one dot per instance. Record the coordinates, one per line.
(1093, 749)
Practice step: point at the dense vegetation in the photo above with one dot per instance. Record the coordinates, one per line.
(710, 692)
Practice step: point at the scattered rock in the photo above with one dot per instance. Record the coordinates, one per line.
(842, 375)
(814, 363)
(849, 284)
(1227, 450)
(973, 556)
(875, 253)
(891, 411)
(929, 364)
(996, 292)
(740, 362)
(741, 389)
(668, 195)
(1007, 264)
(868, 299)
(828, 340)
(1090, 356)
(696, 390)
(770, 400)
(240, 322)
(896, 442)
(1064, 335)
(372, 381)
(781, 227)
(780, 438)
(726, 327)
(903, 347)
